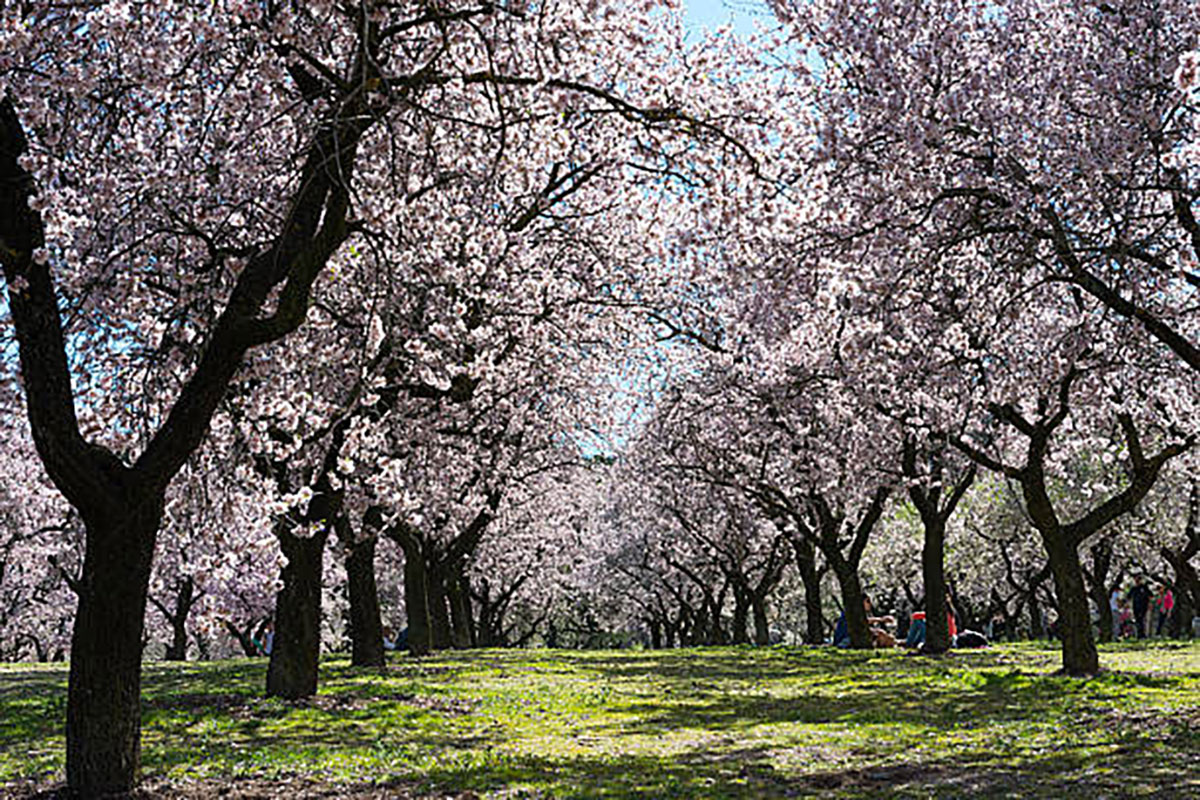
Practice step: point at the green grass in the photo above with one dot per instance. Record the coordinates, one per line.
(706, 723)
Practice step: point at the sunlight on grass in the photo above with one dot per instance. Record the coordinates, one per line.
(733, 722)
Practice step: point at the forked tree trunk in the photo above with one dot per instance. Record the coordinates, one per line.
(366, 628)
(296, 647)
(104, 688)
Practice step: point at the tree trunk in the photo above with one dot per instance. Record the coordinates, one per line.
(933, 573)
(416, 601)
(296, 646)
(762, 630)
(104, 689)
(439, 615)
(1098, 588)
(741, 615)
(852, 603)
(462, 627)
(806, 562)
(184, 599)
(1074, 621)
(366, 629)
(1035, 615)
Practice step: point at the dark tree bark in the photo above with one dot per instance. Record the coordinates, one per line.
(296, 648)
(185, 598)
(243, 636)
(104, 687)
(462, 627)
(810, 576)
(1099, 587)
(852, 604)
(420, 642)
(366, 626)
(1186, 585)
(1062, 541)
(825, 526)
(928, 497)
(762, 630)
(741, 616)
(439, 610)
(121, 505)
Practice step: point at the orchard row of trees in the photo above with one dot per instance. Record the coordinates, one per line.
(374, 279)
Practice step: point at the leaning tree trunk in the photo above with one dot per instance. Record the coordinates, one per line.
(104, 688)
(933, 573)
(1074, 622)
(296, 648)
(366, 629)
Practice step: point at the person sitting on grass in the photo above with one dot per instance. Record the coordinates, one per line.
(879, 636)
(916, 632)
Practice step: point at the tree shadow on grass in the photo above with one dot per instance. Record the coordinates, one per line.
(749, 773)
(889, 690)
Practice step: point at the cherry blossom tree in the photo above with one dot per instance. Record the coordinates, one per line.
(178, 180)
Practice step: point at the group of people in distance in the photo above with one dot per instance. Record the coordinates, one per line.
(881, 627)
(1133, 609)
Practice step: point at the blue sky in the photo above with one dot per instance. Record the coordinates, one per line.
(714, 13)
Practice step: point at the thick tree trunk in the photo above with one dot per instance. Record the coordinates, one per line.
(852, 603)
(296, 646)
(104, 689)
(366, 628)
(933, 573)
(416, 601)
(1074, 621)
(762, 630)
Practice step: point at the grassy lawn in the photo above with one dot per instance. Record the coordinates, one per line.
(708, 723)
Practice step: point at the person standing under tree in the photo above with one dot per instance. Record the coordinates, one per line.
(1164, 603)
